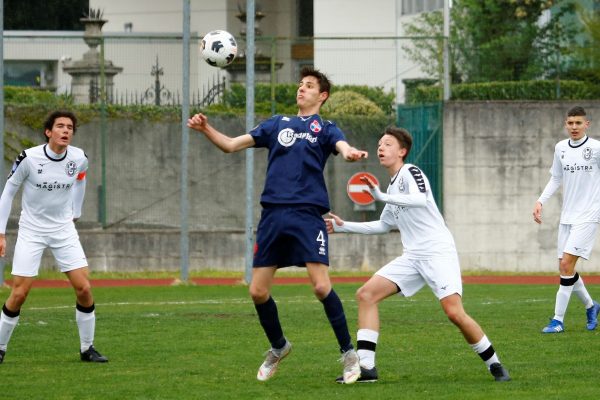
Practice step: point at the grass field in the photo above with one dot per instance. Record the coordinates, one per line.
(204, 342)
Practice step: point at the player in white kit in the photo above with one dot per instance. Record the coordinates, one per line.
(576, 166)
(429, 256)
(53, 180)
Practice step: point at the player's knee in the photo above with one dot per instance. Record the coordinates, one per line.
(84, 290)
(259, 295)
(456, 315)
(17, 299)
(321, 290)
(364, 295)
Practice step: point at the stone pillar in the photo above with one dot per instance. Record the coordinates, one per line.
(85, 73)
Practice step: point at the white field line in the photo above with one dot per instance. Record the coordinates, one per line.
(403, 302)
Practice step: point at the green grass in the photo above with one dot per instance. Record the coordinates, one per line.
(199, 342)
(204, 273)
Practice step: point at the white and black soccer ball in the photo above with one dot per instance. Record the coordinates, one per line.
(218, 48)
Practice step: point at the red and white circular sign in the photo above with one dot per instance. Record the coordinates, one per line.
(355, 189)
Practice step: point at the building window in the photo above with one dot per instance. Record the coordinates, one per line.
(419, 6)
(304, 15)
(37, 73)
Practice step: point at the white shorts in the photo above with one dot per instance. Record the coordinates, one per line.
(577, 240)
(440, 273)
(64, 244)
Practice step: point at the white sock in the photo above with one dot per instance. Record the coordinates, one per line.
(486, 351)
(581, 292)
(86, 322)
(562, 299)
(366, 343)
(7, 325)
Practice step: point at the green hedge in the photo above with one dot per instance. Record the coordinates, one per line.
(285, 97)
(521, 90)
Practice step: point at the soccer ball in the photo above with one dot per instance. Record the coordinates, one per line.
(219, 48)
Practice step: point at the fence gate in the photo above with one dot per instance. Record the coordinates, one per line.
(425, 123)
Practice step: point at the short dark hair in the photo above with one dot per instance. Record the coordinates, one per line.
(324, 82)
(576, 111)
(51, 118)
(402, 136)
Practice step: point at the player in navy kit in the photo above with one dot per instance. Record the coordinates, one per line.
(429, 256)
(53, 177)
(576, 166)
(291, 230)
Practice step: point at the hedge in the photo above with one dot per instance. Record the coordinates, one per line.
(521, 90)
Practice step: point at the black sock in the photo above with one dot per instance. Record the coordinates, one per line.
(269, 320)
(337, 319)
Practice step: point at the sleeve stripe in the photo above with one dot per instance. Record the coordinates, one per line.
(81, 176)
(416, 173)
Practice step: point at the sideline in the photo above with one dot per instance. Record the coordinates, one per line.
(475, 279)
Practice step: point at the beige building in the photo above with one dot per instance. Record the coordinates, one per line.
(353, 43)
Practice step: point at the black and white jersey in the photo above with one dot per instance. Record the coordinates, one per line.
(577, 166)
(47, 201)
(423, 230)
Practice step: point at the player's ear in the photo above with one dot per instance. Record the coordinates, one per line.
(402, 153)
(323, 96)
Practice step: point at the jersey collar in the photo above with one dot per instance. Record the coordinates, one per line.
(581, 142)
(51, 152)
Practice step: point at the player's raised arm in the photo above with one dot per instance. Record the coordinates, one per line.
(199, 122)
(350, 153)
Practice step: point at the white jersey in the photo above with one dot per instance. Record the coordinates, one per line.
(47, 201)
(411, 208)
(423, 230)
(578, 168)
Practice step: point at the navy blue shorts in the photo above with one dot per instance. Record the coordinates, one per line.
(291, 235)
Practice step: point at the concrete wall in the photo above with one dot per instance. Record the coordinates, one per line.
(497, 157)
(496, 161)
(143, 196)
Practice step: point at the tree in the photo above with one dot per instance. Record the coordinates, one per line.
(44, 15)
(588, 66)
(490, 40)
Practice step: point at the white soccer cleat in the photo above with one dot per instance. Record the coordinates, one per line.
(269, 366)
(351, 366)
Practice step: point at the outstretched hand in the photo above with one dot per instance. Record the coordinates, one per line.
(369, 182)
(330, 221)
(354, 154)
(2, 245)
(373, 188)
(537, 212)
(198, 122)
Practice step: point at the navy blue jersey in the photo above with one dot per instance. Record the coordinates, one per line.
(298, 150)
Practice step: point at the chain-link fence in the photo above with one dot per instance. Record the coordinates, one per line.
(143, 150)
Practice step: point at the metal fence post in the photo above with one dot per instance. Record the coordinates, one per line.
(250, 50)
(2, 119)
(185, 137)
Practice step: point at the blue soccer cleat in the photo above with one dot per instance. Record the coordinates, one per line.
(592, 316)
(555, 326)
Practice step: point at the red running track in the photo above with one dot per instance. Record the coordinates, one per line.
(487, 279)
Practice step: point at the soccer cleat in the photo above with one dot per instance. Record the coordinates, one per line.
(269, 366)
(555, 326)
(351, 367)
(92, 355)
(592, 316)
(2, 353)
(499, 372)
(366, 376)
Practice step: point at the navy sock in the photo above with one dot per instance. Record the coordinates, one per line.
(337, 319)
(269, 320)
